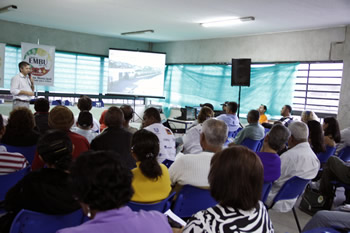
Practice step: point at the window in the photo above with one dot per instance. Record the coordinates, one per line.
(318, 87)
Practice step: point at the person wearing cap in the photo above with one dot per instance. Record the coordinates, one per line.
(62, 118)
(84, 126)
(262, 110)
(46, 190)
(230, 117)
(299, 160)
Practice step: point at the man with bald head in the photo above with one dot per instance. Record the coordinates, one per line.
(193, 169)
(115, 137)
(299, 160)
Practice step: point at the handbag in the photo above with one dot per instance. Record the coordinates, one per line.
(312, 201)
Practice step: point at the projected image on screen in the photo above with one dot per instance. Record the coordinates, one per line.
(136, 73)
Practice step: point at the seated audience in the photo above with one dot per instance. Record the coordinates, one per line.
(334, 170)
(331, 131)
(308, 116)
(195, 122)
(193, 169)
(62, 118)
(316, 138)
(46, 190)
(325, 218)
(230, 117)
(102, 121)
(84, 126)
(344, 139)
(128, 115)
(191, 142)
(20, 128)
(236, 181)
(85, 104)
(274, 141)
(299, 160)
(263, 118)
(151, 181)
(253, 131)
(152, 122)
(286, 119)
(41, 116)
(115, 137)
(10, 162)
(102, 185)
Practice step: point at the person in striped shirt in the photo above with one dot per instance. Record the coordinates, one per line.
(10, 162)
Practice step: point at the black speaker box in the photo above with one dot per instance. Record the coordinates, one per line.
(240, 75)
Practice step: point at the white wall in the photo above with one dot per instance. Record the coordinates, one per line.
(15, 33)
(311, 45)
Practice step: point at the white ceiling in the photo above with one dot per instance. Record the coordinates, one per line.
(175, 20)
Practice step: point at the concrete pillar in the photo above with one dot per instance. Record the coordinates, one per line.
(344, 102)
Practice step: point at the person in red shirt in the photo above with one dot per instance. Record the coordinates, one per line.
(62, 118)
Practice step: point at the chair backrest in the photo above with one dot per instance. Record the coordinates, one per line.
(56, 102)
(28, 221)
(344, 154)
(9, 180)
(191, 199)
(265, 191)
(167, 163)
(161, 206)
(324, 156)
(251, 144)
(27, 151)
(293, 188)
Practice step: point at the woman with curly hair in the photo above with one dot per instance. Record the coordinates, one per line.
(151, 181)
(20, 128)
(102, 185)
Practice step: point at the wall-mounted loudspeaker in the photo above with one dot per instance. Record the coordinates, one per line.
(240, 75)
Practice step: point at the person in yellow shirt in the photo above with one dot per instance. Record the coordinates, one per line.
(263, 118)
(151, 181)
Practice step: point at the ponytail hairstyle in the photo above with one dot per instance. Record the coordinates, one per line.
(55, 148)
(145, 145)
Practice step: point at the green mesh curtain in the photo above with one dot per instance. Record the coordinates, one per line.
(191, 85)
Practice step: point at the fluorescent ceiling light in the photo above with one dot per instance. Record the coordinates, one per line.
(229, 22)
(137, 32)
(8, 8)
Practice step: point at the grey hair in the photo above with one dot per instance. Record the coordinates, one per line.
(299, 130)
(215, 132)
(278, 136)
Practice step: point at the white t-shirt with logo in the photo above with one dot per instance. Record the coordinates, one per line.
(167, 149)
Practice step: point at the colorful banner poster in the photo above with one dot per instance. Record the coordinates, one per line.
(42, 60)
(2, 64)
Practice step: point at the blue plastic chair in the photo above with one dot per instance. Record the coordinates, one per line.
(161, 206)
(27, 151)
(56, 102)
(167, 163)
(9, 180)
(251, 144)
(293, 188)
(344, 154)
(191, 199)
(67, 103)
(98, 104)
(324, 156)
(28, 221)
(265, 191)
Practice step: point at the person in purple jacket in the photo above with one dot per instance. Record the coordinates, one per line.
(102, 185)
(274, 141)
